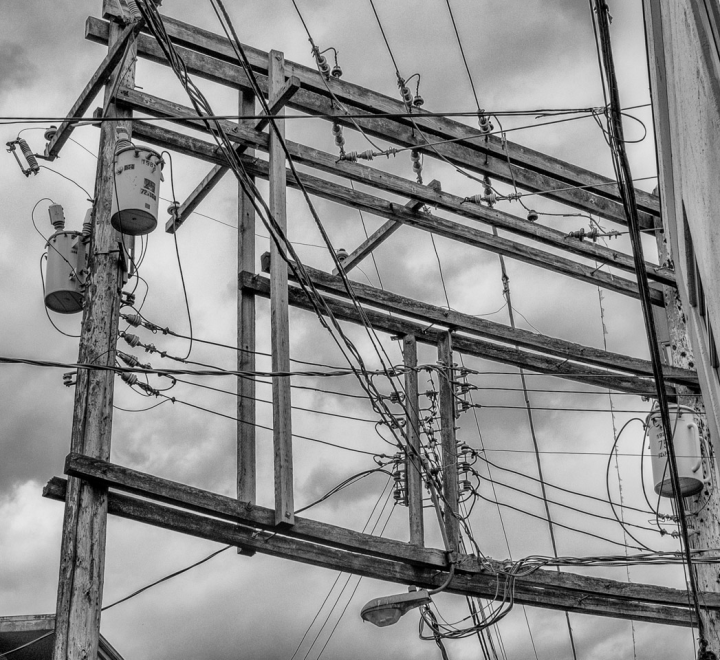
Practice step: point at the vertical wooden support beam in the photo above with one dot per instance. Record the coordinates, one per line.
(280, 329)
(447, 441)
(703, 508)
(246, 441)
(413, 465)
(82, 557)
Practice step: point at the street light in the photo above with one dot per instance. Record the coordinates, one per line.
(388, 610)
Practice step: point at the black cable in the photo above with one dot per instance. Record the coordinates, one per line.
(258, 400)
(462, 52)
(268, 428)
(622, 167)
(557, 524)
(177, 253)
(561, 488)
(49, 169)
(166, 578)
(342, 485)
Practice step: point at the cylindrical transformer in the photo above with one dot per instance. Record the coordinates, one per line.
(65, 272)
(137, 174)
(686, 440)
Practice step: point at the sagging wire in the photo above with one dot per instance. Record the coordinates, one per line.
(278, 235)
(627, 191)
(337, 579)
(174, 213)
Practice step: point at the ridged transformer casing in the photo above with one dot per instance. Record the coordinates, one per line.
(65, 272)
(686, 440)
(137, 173)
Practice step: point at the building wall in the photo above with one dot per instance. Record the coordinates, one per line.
(685, 86)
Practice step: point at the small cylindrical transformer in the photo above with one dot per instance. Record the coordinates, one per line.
(686, 441)
(137, 173)
(65, 272)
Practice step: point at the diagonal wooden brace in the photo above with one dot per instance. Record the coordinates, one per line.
(214, 176)
(378, 237)
(96, 83)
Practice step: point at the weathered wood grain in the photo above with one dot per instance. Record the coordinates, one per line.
(94, 85)
(342, 195)
(431, 196)
(246, 387)
(471, 149)
(413, 465)
(442, 317)
(279, 319)
(236, 524)
(561, 368)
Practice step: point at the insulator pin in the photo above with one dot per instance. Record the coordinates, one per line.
(87, 224)
(57, 217)
(485, 124)
(123, 139)
(532, 215)
(131, 339)
(336, 71)
(480, 199)
(406, 94)
(354, 156)
(70, 378)
(130, 379)
(135, 14)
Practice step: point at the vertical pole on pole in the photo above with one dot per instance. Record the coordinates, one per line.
(82, 558)
(280, 330)
(413, 465)
(703, 509)
(246, 442)
(447, 441)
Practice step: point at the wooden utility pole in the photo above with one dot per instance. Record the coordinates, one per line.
(280, 325)
(246, 462)
(703, 509)
(447, 440)
(413, 464)
(82, 559)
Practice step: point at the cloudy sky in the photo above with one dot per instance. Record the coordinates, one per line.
(523, 55)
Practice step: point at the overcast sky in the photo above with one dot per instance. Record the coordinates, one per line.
(523, 55)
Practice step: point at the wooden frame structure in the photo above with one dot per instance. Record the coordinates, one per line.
(142, 497)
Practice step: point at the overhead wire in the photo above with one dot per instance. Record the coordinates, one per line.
(622, 170)
(269, 428)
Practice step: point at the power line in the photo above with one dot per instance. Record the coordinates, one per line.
(269, 428)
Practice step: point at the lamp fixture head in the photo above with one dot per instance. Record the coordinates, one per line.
(388, 610)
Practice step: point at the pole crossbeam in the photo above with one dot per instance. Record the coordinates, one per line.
(395, 325)
(223, 519)
(469, 235)
(387, 182)
(472, 149)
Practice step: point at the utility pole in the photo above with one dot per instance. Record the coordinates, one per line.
(279, 320)
(246, 440)
(82, 559)
(447, 440)
(703, 509)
